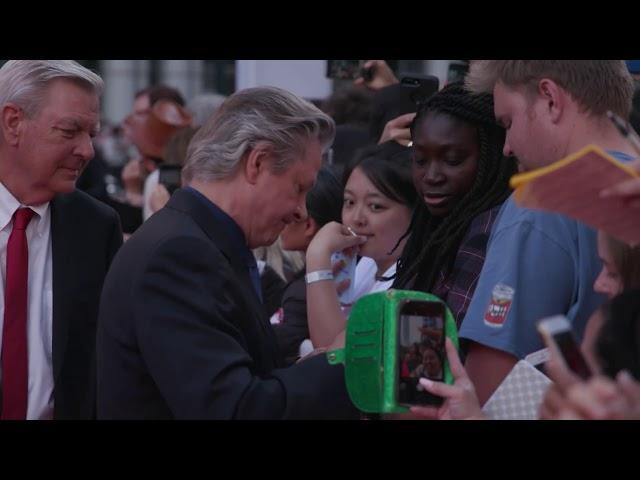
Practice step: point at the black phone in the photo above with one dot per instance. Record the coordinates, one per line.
(422, 86)
(348, 70)
(421, 351)
(557, 330)
(170, 176)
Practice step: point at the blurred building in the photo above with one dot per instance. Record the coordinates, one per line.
(123, 78)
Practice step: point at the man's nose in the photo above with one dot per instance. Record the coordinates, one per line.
(301, 213)
(85, 148)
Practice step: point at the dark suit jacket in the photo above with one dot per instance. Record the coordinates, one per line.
(182, 333)
(294, 327)
(85, 235)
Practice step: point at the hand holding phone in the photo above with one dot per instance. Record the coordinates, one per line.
(375, 75)
(557, 334)
(461, 401)
(347, 272)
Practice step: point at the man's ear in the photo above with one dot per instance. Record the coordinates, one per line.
(12, 118)
(257, 162)
(555, 98)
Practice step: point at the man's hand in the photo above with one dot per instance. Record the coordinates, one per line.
(383, 76)
(628, 191)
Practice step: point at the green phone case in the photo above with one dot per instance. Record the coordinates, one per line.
(369, 356)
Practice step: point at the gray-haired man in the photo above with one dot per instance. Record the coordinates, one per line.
(182, 333)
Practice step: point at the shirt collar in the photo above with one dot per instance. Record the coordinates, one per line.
(9, 204)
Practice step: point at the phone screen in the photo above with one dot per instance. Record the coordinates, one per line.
(421, 352)
(572, 354)
(344, 69)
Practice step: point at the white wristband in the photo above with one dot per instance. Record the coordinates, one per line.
(318, 276)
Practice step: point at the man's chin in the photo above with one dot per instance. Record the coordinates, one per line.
(266, 240)
(65, 187)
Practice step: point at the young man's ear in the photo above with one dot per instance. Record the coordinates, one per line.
(554, 98)
(12, 118)
(258, 161)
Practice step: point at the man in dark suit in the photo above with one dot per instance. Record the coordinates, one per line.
(56, 243)
(182, 332)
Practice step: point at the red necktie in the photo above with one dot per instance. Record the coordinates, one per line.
(15, 365)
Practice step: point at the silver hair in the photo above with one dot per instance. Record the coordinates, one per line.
(203, 106)
(24, 82)
(284, 120)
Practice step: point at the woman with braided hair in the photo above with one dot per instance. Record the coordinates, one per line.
(462, 177)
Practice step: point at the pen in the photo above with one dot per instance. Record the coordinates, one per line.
(625, 130)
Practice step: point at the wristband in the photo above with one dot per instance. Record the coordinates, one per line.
(318, 276)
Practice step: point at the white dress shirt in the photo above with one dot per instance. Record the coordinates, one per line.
(40, 300)
(365, 278)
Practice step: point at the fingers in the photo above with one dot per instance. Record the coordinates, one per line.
(343, 286)
(457, 369)
(350, 241)
(427, 413)
(383, 76)
(338, 266)
(585, 403)
(629, 386)
(628, 188)
(630, 389)
(333, 237)
(403, 120)
(552, 403)
(440, 389)
(398, 129)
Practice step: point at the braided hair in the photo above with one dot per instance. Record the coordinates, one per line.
(434, 242)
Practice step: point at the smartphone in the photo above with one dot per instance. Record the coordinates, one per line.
(422, 86)
(348, 272)
(420, 352)
(557, 330)
(347, 69)
(170, 176)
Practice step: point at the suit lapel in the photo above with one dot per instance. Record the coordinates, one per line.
(187, 203)
(62, 240)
